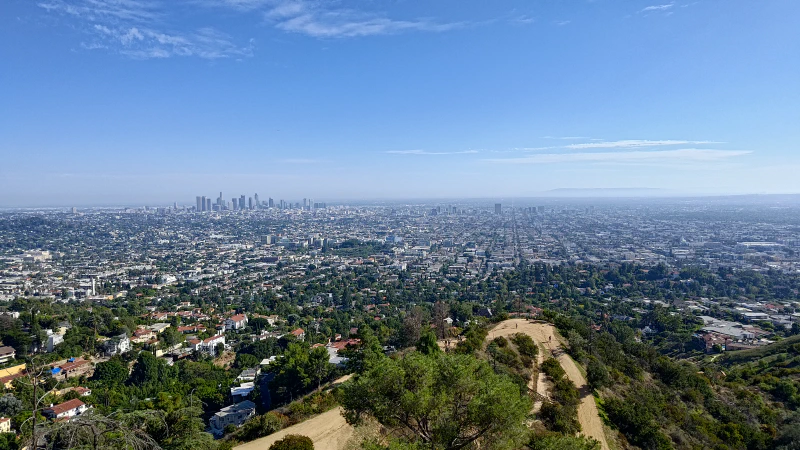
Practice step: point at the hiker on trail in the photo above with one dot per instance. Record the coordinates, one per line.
(550, 339)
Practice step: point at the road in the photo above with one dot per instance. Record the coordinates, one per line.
(588, 415)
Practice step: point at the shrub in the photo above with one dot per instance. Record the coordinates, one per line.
(263, 425)
(293, 442)
(525, 345)
(597, 374)
(560, 418)
(553, 368)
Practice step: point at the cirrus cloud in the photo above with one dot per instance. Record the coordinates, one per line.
(685, 155)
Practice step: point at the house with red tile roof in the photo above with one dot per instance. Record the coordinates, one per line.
(69, 408)
(236, 322)
(299, 333)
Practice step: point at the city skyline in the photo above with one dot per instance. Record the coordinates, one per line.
(151, 102)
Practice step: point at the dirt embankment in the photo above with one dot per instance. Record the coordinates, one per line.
(545, 334)
(329, 431)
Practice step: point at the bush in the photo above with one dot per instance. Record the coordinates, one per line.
(311, 405)
(525, 345)
(293, 442)
(500, 341)
(263, 425)
(553, 368)
(505, 355)
(560, 418)
(597, 374)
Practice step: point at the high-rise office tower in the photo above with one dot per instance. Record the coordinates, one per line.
(220, 200)
(241, 202)
(208, 204)
(271, 202)
(199, 206)
(203, 204)
(235, 203)
(250, 203)
(498, 208)
(256, 199)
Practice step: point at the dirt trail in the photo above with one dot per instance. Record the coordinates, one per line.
(329, 431)
(544, 333)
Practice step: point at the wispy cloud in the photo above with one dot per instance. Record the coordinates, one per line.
(635, 143)
(424, 152)
(561, 23)
(132, 28)
(653, 8)
(244, 5)
(146, 43)
(104, 10)
(686, 155)
(314, 20)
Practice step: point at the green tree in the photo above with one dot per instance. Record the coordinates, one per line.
(597, 374)
(441, 401)
(149, 370)
(319, 367)
(427, 343)
(111, 373)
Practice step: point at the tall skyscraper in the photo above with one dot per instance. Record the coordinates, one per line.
(498, 208)
(199, 206)
(271, 202)
(235, 203)
(208, 204)
(220, 200)
(241, 202)
(203, 204)
(250, 203)
(258, 205)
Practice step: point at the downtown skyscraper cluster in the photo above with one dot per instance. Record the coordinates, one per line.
(241, 203)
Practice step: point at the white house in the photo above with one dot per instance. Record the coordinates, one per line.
(232, 415)
(209, 345)
(236, 322)
(69, 408)
(5, 425)
(53, 339)
(117, 345)
(7, 354)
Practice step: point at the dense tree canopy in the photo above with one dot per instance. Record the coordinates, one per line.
(441, 401)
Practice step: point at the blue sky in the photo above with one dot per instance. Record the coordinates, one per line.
(154, 101)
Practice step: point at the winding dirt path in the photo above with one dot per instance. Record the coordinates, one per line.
(544, 333)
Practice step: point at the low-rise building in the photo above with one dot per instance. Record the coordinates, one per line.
(236, 322)
(7, 354)
(209, 345)
(69, 408)
(299, 333)
(236, 415)
(117, 345)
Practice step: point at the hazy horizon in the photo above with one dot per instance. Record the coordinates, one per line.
(144, 102)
